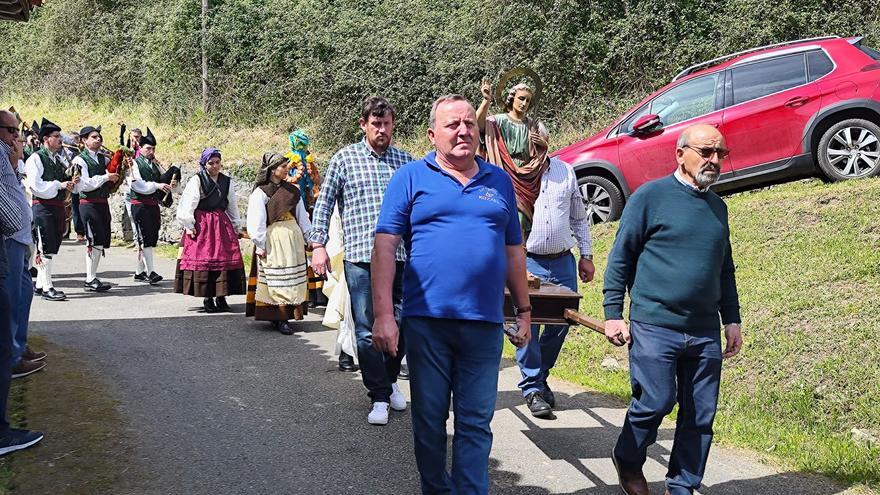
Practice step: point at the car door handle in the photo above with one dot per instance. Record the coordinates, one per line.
(797, 101)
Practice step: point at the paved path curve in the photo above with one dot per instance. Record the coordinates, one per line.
(218, 404)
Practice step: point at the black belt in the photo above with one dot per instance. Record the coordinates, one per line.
(550, 256)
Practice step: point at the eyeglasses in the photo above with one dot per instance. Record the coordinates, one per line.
(708, 152)
(10, 129)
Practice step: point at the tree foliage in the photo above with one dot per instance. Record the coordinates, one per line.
(297, 62)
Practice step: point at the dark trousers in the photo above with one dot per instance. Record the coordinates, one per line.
(378, 369)
(669, 366)
(457, 358)
(5, 341)
(78, 225)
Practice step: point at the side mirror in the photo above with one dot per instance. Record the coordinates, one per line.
(646, 124)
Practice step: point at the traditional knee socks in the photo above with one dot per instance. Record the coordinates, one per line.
(148, 260)
(92, 260)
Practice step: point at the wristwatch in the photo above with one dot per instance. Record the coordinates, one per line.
(524, 309)
(588, 257)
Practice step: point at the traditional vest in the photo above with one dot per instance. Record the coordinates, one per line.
(149, 173)
(216, 196)
(52, 170)
(96, 168)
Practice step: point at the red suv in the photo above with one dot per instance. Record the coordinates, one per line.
(787, 111)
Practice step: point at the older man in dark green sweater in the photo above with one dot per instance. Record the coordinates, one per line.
(672, 254)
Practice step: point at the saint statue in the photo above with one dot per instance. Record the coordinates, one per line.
(517, 143)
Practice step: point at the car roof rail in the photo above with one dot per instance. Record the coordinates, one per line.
(707, 63)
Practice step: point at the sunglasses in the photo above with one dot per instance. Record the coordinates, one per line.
(708, 152)
(10, 129)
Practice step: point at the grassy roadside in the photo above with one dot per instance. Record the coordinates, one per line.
(808, 272)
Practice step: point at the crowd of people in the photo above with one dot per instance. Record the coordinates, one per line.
(421, 251)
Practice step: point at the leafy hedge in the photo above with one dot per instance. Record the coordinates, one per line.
(288, 62)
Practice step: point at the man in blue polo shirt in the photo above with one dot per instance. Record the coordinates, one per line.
(457, 216)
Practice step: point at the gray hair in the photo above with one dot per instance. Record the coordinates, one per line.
(432, 119)
(684, 138)
(508, 102)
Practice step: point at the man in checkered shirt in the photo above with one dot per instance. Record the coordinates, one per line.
(355, 182)
(560, 222)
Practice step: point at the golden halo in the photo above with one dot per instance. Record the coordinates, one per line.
(501, 89)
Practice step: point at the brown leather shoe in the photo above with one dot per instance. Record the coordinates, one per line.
(32, 355)
(25, 368)
(632, 482)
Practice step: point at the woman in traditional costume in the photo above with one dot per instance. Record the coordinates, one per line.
(210, 264)
(277, 223)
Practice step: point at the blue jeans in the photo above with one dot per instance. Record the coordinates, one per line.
(538, 357)
(458, 357)
(5, 340)
(20, 291)
(378, 369)
(668, 366)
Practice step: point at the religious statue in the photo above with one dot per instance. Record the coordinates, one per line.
(514, 140)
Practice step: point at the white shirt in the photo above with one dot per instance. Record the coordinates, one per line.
(88, 183)
(33, 171)
(189, 201)
(257, 218)
(138, 184)
(560, 216)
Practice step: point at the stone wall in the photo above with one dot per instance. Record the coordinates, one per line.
(171, 230)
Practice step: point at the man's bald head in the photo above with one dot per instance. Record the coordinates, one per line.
(8, 118)
(699, 132)
(700, 152)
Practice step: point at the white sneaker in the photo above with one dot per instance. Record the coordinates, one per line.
(398, 401)
(379, 414)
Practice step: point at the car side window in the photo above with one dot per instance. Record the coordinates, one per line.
(818, 64)
(627, 126)
(767, 77)
(687, 100)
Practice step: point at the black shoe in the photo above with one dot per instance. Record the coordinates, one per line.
(16, 439)
(53, 295)
(222, 305)
(96, 286)
(284, 328)
(38, 291)
(346, 362)
(549, 396)
(141, 277)
(538, 406)
(403, 374)
(208, 303)
(155, 278)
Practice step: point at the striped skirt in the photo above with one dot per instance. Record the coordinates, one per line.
(277, 284)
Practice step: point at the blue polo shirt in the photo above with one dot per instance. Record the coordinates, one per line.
(456, 237)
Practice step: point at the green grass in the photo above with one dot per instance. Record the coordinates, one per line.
(808, 273)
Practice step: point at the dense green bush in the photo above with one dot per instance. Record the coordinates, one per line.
(289, 62)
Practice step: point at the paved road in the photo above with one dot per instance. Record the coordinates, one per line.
(220, 404)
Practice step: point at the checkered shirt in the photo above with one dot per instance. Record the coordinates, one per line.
(12, 213)
(356, 180)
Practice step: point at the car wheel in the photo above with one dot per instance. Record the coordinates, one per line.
(850, 149)
(602, 197)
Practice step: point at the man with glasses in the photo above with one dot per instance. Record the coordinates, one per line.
(18, 286)
(47, 179)
(672, 254)
(13, 219)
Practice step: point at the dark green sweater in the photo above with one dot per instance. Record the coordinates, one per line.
(672, 253)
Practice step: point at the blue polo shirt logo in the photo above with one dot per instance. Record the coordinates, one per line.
(489, 194)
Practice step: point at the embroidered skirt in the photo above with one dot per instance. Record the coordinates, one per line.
(277, 284)
(210, 265)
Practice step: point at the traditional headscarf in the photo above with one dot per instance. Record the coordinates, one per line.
(207, 154)
(272, 160)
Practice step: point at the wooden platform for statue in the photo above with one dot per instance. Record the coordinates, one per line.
(554, 305)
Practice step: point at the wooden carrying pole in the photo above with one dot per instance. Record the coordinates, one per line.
(576, 318)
